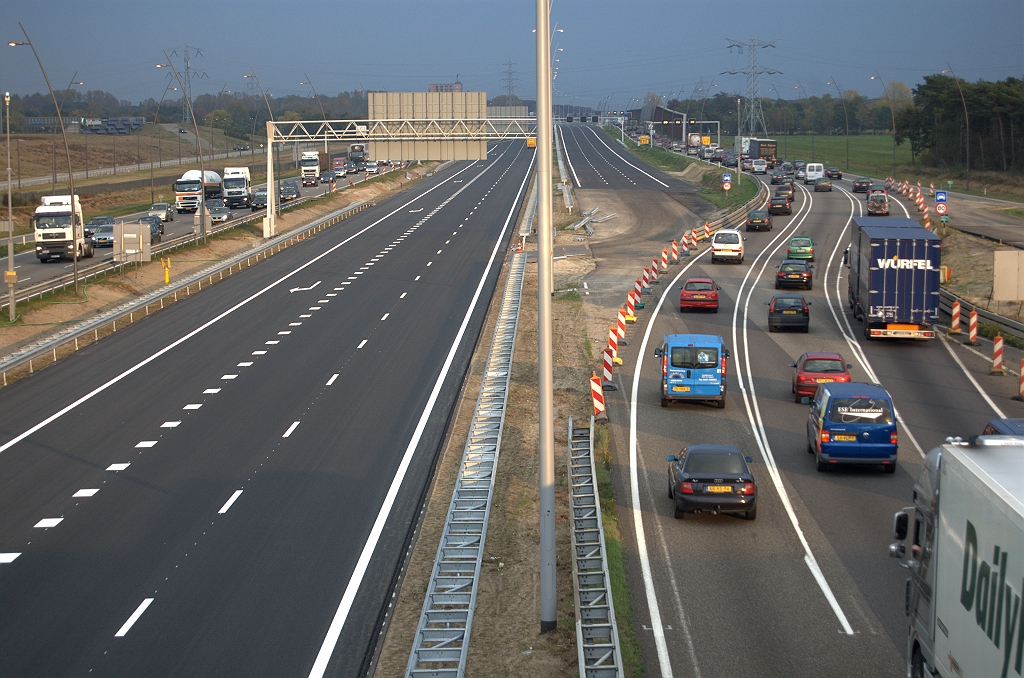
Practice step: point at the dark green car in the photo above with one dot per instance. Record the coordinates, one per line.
(801, 247)
(823, 185)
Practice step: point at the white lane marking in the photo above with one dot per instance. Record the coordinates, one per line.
(585, 286)
(295, 425)
(138, 366)
(362, 343)
(332, 379)
(351, 277)
(439, 251)
(8, 557)
(970, 376)
(88, 492)
(121, 632)
(416, 278)
(403, 295)
(229, 502)
(304, 315)
(146, 443)
(170, 424)
(754, 410)
(192, 406)
(565, 152)
(304, 289)
(385, 316)
(259, 352)
(284, 332)
(429, 263)
(272, 342)
(229, 377)
(323, 301)
(212, 390)
(331, 294)
(48, 522)
(338, 623)
(445, 242)
(294, 325)
(247, 363)
(624, 160)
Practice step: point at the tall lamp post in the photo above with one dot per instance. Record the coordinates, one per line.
(892, 111)
(156, 123)
(199, 146)
(271, 195)
(968, 123)
(843, 99)
(307, 81)
(76, 226)
(10, 276)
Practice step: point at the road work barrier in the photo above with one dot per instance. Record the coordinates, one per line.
(664, 260)
(597, 396)
(613, 345)
(654, 271)
(607, 381)
(620, 326)
(675, 251)
(997, 356)
(954, 322)
(972, 331)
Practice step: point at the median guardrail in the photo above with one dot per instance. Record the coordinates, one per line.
(49, 350)
(1005, 325)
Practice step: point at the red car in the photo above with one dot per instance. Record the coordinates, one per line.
(818, 368)
(699, 293)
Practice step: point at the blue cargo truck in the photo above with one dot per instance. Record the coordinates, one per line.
(894, 277)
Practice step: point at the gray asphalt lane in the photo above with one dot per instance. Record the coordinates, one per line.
(253, 590)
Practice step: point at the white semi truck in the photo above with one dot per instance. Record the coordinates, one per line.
(312, 163)
(237, 187)
(194, 187)
(966, 560)
(58, 229)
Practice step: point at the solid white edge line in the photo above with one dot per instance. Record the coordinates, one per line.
(99, 389)
(295, 425)
(624, 160)
(134, 618)
(970, 376)
(348, 597)
(754, 410)
(565, 152)
(229, 502)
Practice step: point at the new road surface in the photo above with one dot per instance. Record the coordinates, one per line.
(228, 488)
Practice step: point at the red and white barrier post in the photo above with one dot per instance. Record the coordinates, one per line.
(675, 251)
(693, 238)
(638, 290)
(607, 383)
(613, 345)
(1020, 382)
(664, 260)
(972, 329)
(597, 394)
(997, 356)
(647, 282)
(954, 323)
(707, 230)
(654, 271)
(620, 326)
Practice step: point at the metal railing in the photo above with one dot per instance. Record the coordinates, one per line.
(1006, 325)
(442, 636)
(47, 351)
(597, 635)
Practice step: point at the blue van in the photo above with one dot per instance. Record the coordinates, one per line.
(852, 423)
(692, 368)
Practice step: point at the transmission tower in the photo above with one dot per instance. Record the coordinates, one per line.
(510, 82)
(753, 116)
(189, 73)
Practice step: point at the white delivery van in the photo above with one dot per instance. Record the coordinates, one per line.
(814, 171)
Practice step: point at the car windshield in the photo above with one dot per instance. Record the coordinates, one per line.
(877, 197)
(99, 220)
(691, 356)
(824, 181)
(860, 411)
(727, 239)
(104, 228)
(789, 302)
(758, 214)
(715, 464)
(218, 210)
(793, 268)
(799, 242)
(185, 186)
(53, 221)
(160, 206)
(234, 182)
(823, 365)
(694, 286)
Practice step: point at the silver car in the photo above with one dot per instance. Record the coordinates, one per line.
(219, 214)
(163, 210)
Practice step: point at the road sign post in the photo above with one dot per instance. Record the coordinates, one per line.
(727, 184)
(941, 208)
(941, 196)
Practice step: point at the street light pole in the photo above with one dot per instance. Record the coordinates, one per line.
(11, 276)
(307, 81)
(273, 204)
(156, 124)
(843, 99)
(892, 111)
(75, 225)
(199, 147)
(545, 384)
(967, 121)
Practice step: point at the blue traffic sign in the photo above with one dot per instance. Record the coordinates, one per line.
(726, 177)
(940, 196)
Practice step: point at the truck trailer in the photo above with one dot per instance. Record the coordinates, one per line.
(894, 277)
(966, 561)
(766, 149)
(58, 229)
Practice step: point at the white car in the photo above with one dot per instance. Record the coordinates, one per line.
(372, 167)
(727, 245)
(760, 166)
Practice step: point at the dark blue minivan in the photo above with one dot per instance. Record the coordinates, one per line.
(852, 423)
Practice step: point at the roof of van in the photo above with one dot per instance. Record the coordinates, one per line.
(854, 388)
(693, 339)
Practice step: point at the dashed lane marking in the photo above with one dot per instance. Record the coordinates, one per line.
(230, 501)
(295, 425)
(121, 632)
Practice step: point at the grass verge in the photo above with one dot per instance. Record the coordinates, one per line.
(1016, 212)
(614, 552)
(990, 331)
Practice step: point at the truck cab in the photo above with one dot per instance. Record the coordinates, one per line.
(693, 367)
(237, 187)
(59, 230)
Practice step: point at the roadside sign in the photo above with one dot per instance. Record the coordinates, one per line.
(705, 141)
(945, 218)
(726, 185)
(940, 208)
(726, 178)
(940, 196)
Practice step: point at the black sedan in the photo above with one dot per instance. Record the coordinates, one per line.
(157, 221)
(259, 199)
(789, 310)
(780, 205)
(289, 190)
(778, 177)
(712, 479)
(794, 273)
(759, 220)
(834, 173)
(328, 176)
(862, 185)
(786, 191)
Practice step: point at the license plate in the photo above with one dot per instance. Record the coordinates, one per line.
(845, 438)
(681, 389)
(789, 313)
(700, 296)
(825, 381)
(719, 488)
(792, 276)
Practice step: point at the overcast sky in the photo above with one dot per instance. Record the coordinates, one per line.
(616, 49)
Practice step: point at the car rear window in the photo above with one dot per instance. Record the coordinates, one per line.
(824, 365)
(793, 268)
(860, 411)
(800, 242)
(789, 302)
(699, 287)
(693, 357)
(715, 464)
(758, 214)
(727, 239)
